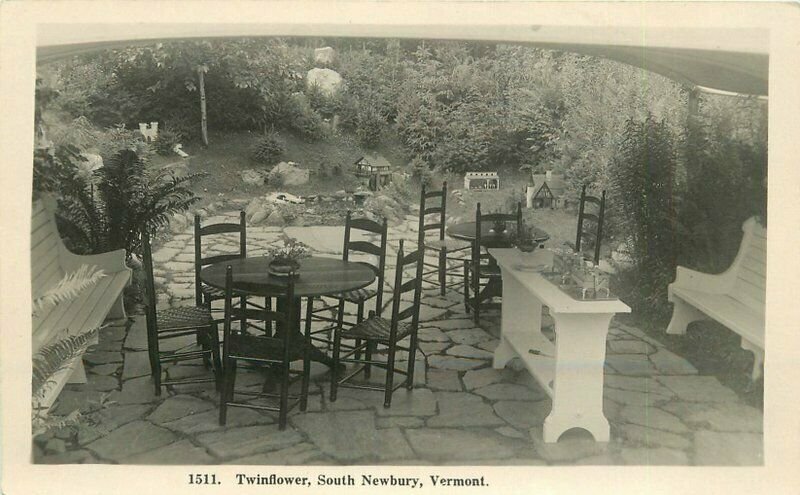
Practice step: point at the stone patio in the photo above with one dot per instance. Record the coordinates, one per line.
(461, 411)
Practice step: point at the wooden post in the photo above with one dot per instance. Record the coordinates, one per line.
(201, 70)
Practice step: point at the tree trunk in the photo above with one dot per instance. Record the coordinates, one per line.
(203, 116)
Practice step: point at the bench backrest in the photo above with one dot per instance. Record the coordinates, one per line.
(46, 243)
(750, 285)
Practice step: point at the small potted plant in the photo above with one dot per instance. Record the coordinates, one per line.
(524, 239)
(286, 259)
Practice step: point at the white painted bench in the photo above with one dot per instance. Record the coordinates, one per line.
(734, 298)
(50, 261)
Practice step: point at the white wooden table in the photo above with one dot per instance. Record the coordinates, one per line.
(571, 370)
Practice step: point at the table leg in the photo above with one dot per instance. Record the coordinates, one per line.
(520, 313)
(315, 354)
(578, 385)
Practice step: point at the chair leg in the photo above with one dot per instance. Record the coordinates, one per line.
(306, 376)
(337, 343)
(368, 357)
(387, 394)
(442, 271)
(359, 319)
(412, 354)
(284, 404)
(214, 337)
(205, 344)
(226, 395)
(268, 307)
(466, 286)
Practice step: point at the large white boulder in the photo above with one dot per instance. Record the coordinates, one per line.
(329, 81)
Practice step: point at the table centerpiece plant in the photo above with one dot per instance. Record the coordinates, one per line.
(286, 259)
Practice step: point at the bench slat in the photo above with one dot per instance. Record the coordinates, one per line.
(728, 311)
(46, 278)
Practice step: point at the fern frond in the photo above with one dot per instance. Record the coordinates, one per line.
(54, 357)
(68, 287)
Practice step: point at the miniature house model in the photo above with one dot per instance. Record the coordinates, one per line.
(478, 181)
(376, 168)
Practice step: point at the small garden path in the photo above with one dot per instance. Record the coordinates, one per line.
(461, 411)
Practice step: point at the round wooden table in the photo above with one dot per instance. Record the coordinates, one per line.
(317, 276)
(466, 231)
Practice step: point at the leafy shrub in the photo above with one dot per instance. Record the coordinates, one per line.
(166, 141)
(421, 171)
(117, 138)
(304, 120)
(644, 182)
(326, 105)
(127, 197)
(370, 125)
(267, 149)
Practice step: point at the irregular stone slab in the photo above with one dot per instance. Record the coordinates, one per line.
(509, 391)
(399, 422)
(164, 254)
(469, 352)
(136, 364)
(132, 438)
(136, 340)
(448, 444)
(108, 419)
(462, 410)
(181, 452)
(652, 418)
(649, 437)
(489, 345)
(713, 448)
(480, 378)
(440, 302)
(573, 445)
(348, 435)
(71, 400)
(177, 407)
(639, 334)
(113, 334)
(630, 397)
(102, 357)
(720, 417)
(178, 266)
(653, 457)
(101, 383)
(299, 454)
(671, 364)
(429, 348)
(248, 440)
(523, 414)
(454, 363)
(325, 239)
(698, 388)
(444, 380)
(631, 364)
(455, 323)
(136, 391)
(431, 334)
(636, 384)
(105, 369)
(469, 336)
(414, 402)
(209, 420)
(428, 313)
(510, 432)
(630, 347)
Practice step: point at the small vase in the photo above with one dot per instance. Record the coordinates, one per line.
(283, 268)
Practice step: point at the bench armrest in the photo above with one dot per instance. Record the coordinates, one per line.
(704, 282)
(111, 262)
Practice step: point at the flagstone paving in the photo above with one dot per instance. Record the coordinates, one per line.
(461, 411)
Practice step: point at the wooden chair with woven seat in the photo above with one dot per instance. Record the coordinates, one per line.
(376, 330)
(442, 246)
(173, 323)
(278, 351)
(206, 295)
(359, 297)
(481, 274)
(590, 226)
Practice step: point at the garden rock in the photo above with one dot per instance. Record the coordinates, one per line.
(275, 219)
(324, 55)
(252, 177)
(260, 215)
(329, 81)
(288, 174)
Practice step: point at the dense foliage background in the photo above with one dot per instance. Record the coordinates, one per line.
(678, 188)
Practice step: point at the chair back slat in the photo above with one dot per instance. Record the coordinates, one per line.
(439, 210)
(590, 225)
(367, 225)
(400, 286)
(200, 232)
(433, 226)
(365, 247)
(432, 209)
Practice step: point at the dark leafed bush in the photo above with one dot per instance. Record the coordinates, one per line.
(267, 149)
(644, 183)
(166, 141)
